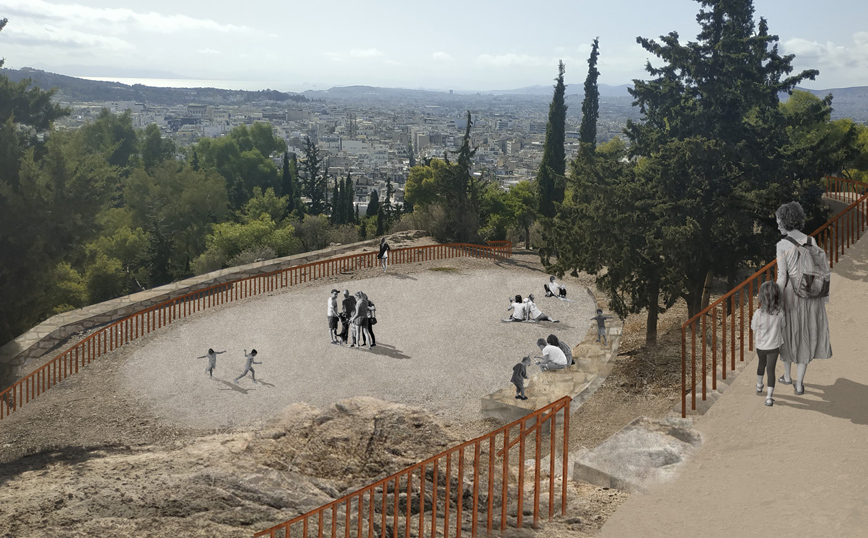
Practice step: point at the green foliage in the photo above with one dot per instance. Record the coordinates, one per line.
(520, 203)
(373, 204)
(314, 178)
(105, 279)
(314, 232)
(351, 211)
(156, 149)
(591, 101)
(67, 290)
(266, 203)
(550, 177)
(229, 239)
(114, 138)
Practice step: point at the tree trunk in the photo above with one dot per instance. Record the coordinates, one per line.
(730, 284)
(653, 312)
(706, 289)
(527, 237)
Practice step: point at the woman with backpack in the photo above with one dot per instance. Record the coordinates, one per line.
(803, 278)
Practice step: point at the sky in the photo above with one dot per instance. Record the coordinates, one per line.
(481, 45)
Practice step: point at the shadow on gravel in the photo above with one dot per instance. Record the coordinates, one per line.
(68, 455)
(389, 351)
(403, 277)
(844, 399)
(231, 385)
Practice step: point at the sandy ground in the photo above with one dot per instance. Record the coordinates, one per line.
(440, 346)
(796, 469)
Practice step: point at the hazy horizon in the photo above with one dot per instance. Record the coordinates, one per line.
(460, 46)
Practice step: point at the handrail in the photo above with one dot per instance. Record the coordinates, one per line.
(159, 315)
(835, 237)
(414, 484)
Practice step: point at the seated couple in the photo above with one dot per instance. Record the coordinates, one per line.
(553, 289)
(556, 355)
(526, 310)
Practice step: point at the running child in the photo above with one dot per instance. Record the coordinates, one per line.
(519, 374)
(249, 366)
(767, 324)
(601, 325)
(212, 360)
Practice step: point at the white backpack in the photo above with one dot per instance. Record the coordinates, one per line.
(810, 271)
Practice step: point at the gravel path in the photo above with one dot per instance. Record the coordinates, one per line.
(440, 345)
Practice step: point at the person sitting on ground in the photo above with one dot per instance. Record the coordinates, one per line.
(519, 374)
(534, 313)
(601, 325)
(553, 289)
(553, 357)
(519, 309)
(554, 341)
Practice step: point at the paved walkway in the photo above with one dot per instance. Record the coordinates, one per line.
(799, 468)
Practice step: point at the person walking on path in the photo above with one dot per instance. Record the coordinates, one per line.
(553, 289)
(535, 313)
(249, 366)
(553, 357)
(212, 360)
(806, 333)
(332, 317)
(349, 307)
(519, 374)
(601, 325)
(767, 324)
(383, 255)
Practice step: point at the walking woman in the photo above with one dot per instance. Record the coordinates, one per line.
(383, 255)
(806, 333)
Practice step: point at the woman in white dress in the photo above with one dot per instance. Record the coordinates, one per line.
(806, 334)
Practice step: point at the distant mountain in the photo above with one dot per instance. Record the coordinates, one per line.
(81, 90)
(572, 89)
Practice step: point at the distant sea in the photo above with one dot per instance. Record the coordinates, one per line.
(249, 85)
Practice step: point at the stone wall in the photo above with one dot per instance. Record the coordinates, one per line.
(53, 332)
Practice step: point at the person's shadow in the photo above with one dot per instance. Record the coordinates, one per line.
(401, 276)
(844, 399)
(389, 351)
(231, 385)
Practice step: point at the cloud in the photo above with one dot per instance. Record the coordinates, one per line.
(830, 55)
(46, 34)
(512, 60)
(109, 20)
(365, 53)
(208, 51)
(440, 55)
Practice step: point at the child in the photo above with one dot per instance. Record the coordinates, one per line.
(519, 309)
(212, 360)
(767, 324)
(249, 366)
(519, 374)
(601, 325)
(553, 289)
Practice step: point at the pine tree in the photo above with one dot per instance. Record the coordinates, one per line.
(591, 101)
(550, 182)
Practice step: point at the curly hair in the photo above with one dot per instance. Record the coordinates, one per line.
(770, 298)
(792, 216)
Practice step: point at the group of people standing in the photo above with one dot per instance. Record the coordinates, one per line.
(791, 321)
(357, 315)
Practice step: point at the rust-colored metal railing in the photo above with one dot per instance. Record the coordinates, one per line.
(433, 497)
(723, 328)
(141, 323)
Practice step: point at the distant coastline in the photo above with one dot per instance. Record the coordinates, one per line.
(242, 85)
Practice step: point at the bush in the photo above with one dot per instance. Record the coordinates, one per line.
(344, 234)
(252, 255)
(408, 221)
(447, 225)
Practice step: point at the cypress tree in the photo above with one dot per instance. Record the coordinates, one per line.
(591, 102)
(373, 204)
(194, 164)
(387, 203)
(336, 204)
(286, 184)
(349, 199)
(381, 217)
(550, 177)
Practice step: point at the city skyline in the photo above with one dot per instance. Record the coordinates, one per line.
(298, 46)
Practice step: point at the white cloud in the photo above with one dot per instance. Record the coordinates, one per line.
(440, 55)
(47, 34)
(829, 54)
(208, 51)
(511, 60)
(365, 53)
(110, 20)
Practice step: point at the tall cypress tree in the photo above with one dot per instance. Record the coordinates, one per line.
(286, 186)
(550, 177)
(336, 204)
(373, 204)
(349, 200)
(314, 186)
(387, 202)
(591, 102)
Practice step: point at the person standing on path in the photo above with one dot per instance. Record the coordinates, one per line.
(371, 320)
(332, 317)
(519, 374)
(767, 324)
(212, 360)
(359, 320)
(806, 334)
(349, 307)
(249, 366)
(383, 255)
